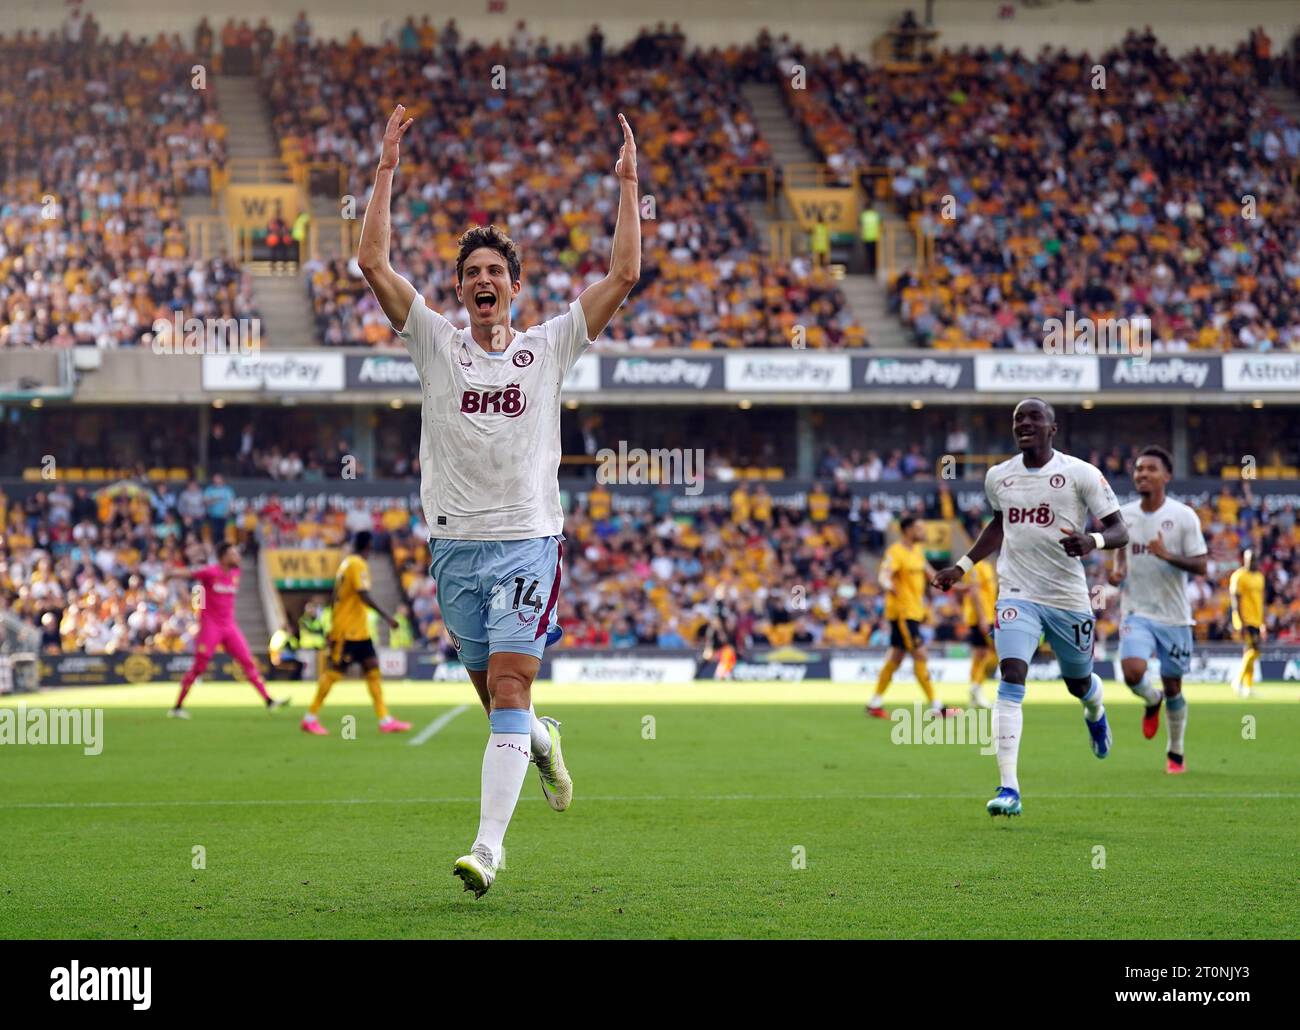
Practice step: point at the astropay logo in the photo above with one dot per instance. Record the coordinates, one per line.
(102, 983)
(388, 372)
(677, 372)
(1175, 372)
(927, 372)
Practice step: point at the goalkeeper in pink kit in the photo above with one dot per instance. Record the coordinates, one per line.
(219, 583)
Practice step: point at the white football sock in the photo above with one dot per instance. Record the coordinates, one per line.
(1093, 709)
(1145, 690)
(539, 734)
(1176, 722)
(1008, 719)
(505, 764)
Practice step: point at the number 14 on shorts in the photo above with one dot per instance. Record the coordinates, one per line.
(515, 594)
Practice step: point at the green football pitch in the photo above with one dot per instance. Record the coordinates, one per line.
(706, 810)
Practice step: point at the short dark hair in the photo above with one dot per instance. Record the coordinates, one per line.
(1051, 411)
(1154, 451)
(223, 548)
(492, 238)
(907, 521)
(362, 540)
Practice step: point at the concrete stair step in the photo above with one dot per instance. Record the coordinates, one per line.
(247, 118)
(384, 585)
(250, 615)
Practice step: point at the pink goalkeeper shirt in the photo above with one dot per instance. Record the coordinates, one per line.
(220, 585)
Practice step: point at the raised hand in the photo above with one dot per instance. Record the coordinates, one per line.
(393, 133)
(625, 167)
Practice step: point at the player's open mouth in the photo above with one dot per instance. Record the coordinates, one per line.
(485, 301)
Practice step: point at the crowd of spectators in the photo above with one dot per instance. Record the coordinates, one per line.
(90, 568)
(99, 142)
(1132, 185)
(1164, 194)
(755, 573)
(523, 134)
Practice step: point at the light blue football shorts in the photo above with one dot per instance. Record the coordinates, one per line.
(496, 595)
(1022, 624)
(1140, 637)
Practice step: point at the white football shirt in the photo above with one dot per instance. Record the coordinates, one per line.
(1036, 504)
(490, 425)
(1153, 588)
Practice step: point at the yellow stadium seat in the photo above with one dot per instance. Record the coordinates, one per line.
(75, 473)
(95, 475)
(1230, 472)
(31, 475)
(178, 475)
(155, 475)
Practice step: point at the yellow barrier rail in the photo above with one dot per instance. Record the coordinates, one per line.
(207, 236)
(346, 230)
(258, 170)
(783, 238)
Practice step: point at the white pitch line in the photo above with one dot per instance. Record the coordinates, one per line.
(437, 724)
(676, 798)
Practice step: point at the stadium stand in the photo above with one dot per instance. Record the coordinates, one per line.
(521, 158)
(87, 568)
(1170, 194)
(105, 140)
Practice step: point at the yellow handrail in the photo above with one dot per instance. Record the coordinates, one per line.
(207, 235)
(257, 169)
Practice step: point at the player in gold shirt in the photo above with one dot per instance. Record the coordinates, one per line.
(348, 640)
(978, 608)
(903, 575)
(1246, 588)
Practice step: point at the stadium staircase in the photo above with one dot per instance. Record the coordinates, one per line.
(329, 245)
(249, 137)
(287, 319)
(865, 296)
(280, 297)
(384, 586)
(250, 613)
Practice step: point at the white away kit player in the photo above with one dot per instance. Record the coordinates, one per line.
(1041, 500)
(489, 462)
(1165, 545)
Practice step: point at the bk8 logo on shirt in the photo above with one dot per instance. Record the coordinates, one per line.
(509, 402)
(1041, 515)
